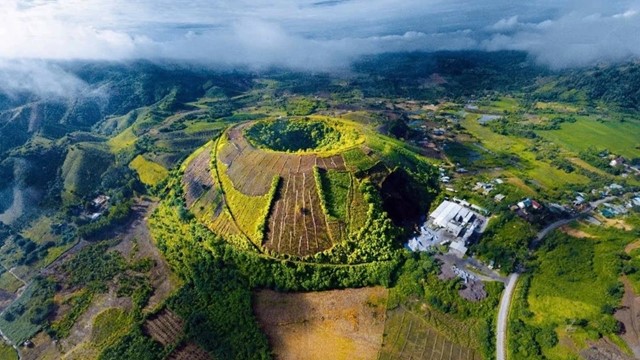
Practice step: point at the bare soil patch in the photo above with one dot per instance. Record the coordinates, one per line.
(629, 315)
(632, 246)
(338, 324)
(604, 349)
(616, 223)
(575, 232)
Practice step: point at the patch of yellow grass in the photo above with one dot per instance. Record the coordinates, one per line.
(555, 106)
(557, 309)
(150, 173)
(122, 141)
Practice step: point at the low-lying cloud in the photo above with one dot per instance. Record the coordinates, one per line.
(317, 35)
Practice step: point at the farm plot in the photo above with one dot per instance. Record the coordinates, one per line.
(408, 336)
(338, 324)
(164, 327)
(298, 225)
(189, 351)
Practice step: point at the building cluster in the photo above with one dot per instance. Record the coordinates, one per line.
(454, 223)
(98, 206)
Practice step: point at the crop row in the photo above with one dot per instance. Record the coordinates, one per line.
(407, 336)
(298, 225)
(165, 327)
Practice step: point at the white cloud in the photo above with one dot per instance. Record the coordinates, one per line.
(39, 77)
(314, 34)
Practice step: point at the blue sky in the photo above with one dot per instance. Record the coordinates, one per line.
(315, 34)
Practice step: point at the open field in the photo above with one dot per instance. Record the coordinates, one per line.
(409, 336)
(526, 166)
(621, 138)
(7, 352)
(339, 324)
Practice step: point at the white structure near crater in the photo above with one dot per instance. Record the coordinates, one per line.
(452, 222)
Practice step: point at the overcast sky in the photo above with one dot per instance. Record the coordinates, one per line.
(316, 34)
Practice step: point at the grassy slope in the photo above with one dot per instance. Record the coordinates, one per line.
(247, 210)
(83, 167)
(150, 173)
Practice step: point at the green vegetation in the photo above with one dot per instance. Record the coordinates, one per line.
(79, 304)
(357, 159)
(110, 325)
(620, 137)
(249, 212)
(7, 352)
(506, 242)
(293, 135)
(459, 321)
(334, 187)
(83, 168)
(134, 345)
(116, 215)
(554, 311)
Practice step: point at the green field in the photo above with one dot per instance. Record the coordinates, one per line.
(150, 173)
(110, 325)
(574, 285)
(9, 283)
(526, 167)
(123, 141)
(23, 318)
(7, 352)
(620, 138)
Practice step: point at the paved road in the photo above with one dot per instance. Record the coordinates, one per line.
(503, 316)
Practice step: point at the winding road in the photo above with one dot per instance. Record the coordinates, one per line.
(503, 316)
